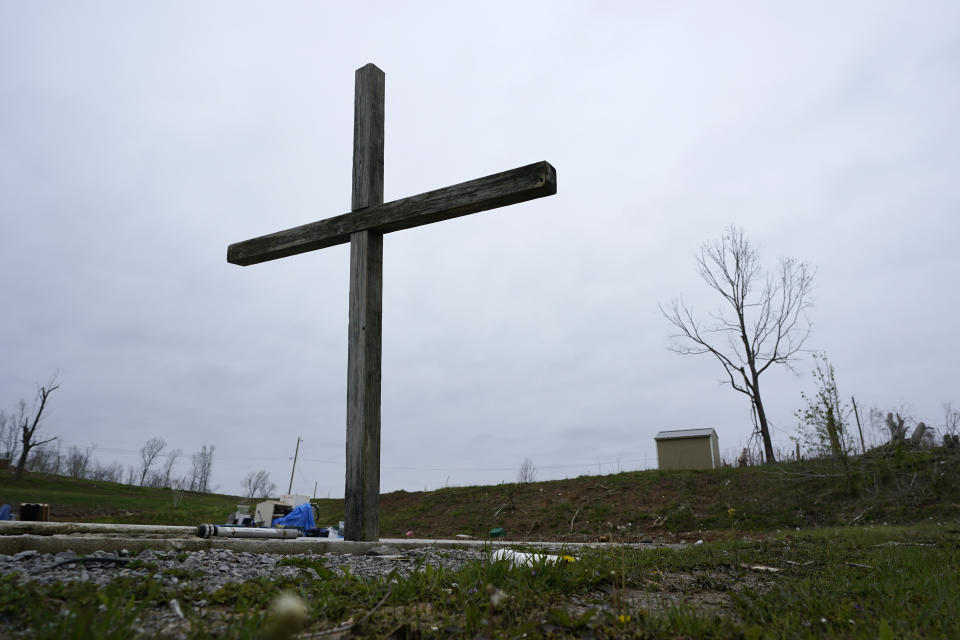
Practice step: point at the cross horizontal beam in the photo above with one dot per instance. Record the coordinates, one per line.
(498, 190)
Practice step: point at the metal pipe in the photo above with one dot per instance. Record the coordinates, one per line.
(221, 531)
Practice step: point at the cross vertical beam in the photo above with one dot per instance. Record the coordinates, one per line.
(363, 228)
(362, 492)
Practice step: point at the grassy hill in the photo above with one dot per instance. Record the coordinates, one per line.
(880, 487)
(755, 577)
(78, 500)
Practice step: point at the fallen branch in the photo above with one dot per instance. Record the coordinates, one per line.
(861, 515)
(574, 518)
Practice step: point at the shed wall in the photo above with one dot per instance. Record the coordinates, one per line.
(688, 453)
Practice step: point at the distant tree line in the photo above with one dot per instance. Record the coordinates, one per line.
(27, 450)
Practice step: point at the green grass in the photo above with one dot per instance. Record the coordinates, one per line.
(893, 487)
(833, 580)
(866, 582)
(91, 501)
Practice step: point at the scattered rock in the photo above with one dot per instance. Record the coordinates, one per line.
(212, 569)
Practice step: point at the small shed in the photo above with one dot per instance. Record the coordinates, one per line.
(688, 449)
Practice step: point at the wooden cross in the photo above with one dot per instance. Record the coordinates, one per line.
(363, 228)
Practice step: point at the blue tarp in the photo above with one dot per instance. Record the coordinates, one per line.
(301, 517)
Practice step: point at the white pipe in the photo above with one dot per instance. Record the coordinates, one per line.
(21, 527)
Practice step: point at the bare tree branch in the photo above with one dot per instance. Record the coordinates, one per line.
(527, 472)
(767, 325)
(28, 424)
(148, 454)
(257, 484)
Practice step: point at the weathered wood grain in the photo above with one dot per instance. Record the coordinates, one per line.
(362, 490)
(363, 228)
(364, 335)
(368, 137)
(498, 190)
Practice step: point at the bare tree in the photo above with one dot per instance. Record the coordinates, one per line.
(951, 419)
(8, 436)
(179, 486)
(107, 473)
(877, 432)
(527, 472)
(172, 457)
(760, 322)
(149, 453)
(201, 464)
(78, 461)
(154, 480)
(257, 484)
(45, 458)
(28, 422)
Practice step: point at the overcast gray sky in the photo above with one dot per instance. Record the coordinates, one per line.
(138, 140)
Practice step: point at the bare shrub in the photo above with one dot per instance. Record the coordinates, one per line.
(257, 484)
(527, 472)
(77, 463)
(824, 421)
(107, 473)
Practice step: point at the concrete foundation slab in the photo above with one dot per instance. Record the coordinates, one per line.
(84, 538)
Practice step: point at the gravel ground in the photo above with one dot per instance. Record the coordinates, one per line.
(214, 568)
(210, 570)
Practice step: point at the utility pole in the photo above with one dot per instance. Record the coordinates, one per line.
(294, 468)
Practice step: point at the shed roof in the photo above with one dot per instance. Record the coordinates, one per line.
(685, 433)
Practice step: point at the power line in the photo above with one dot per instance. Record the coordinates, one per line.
(390, 467)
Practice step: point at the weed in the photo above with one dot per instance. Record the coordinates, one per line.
(839, 582)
